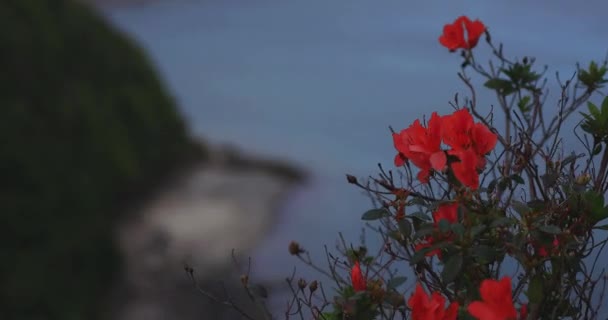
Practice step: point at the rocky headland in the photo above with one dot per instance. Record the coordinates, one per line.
(199, 216)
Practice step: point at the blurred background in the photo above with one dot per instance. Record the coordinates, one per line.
(141, 135)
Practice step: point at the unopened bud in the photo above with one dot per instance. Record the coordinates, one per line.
(313, 286)
(351, 179)
(302, 284)
(397, 300)
(295, 249)
(244, 279)
(583, 179)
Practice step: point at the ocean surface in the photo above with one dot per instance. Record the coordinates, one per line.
(318, 82)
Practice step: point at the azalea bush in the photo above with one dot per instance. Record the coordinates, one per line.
(494, 213)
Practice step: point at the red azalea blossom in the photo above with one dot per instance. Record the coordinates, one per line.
(456, 129)
(474, 31)
(523, 312)
(448, 212)
(422, 146)
(357, 278)
(453, 36)
(431, 308)
(484, 140)
(465, 170)
(469, 142)
(428, 241)
(542, 250)
(497, 303)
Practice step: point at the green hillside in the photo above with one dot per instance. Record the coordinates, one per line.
(85, 123)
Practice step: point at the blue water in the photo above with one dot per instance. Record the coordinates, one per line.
(318, 82)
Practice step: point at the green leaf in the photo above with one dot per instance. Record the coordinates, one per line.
(498, 84)
(520, 207)
(600, 214)
(517, 179)
(452, 268)
(394, 234)
(444, 225)
(476, 230)
(405, 227)
(420, 216)
(330, 316)
(502, 221)
(595, 202)
(523, 104)
(597, 149)
(536, 204)
(492, 185)
(484, 253)
(423, 232)
(375, 214)
(503, 184)
(593, 110)
(550, 229)
(458, 229)
(395, 282)
(420, 255)
(605, 108)
(535, 290)
(595, 199)
(417, 201)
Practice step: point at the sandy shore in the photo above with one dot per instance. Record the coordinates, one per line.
(204, 214)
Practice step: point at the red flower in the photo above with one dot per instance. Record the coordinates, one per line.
(465, 170)
(431, 308)
(422, 146)
(484, 140)
(456, 129)
(542, 250)
(357, 278)
(428, 241)
(474, 31)
(448, 212)
(523, 312)
(453, 36)
(470, 142)
(497, 302)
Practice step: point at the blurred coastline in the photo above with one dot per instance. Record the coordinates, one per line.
(197, 217)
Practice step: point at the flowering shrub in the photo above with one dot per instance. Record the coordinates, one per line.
(496, 223)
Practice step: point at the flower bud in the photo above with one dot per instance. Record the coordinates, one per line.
(397, 300)
(295, 249)
(244, 279)
(302, 284)
(351, 179)
(583, 179)
(313, 286)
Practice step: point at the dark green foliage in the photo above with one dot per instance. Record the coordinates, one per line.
(84, 123)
